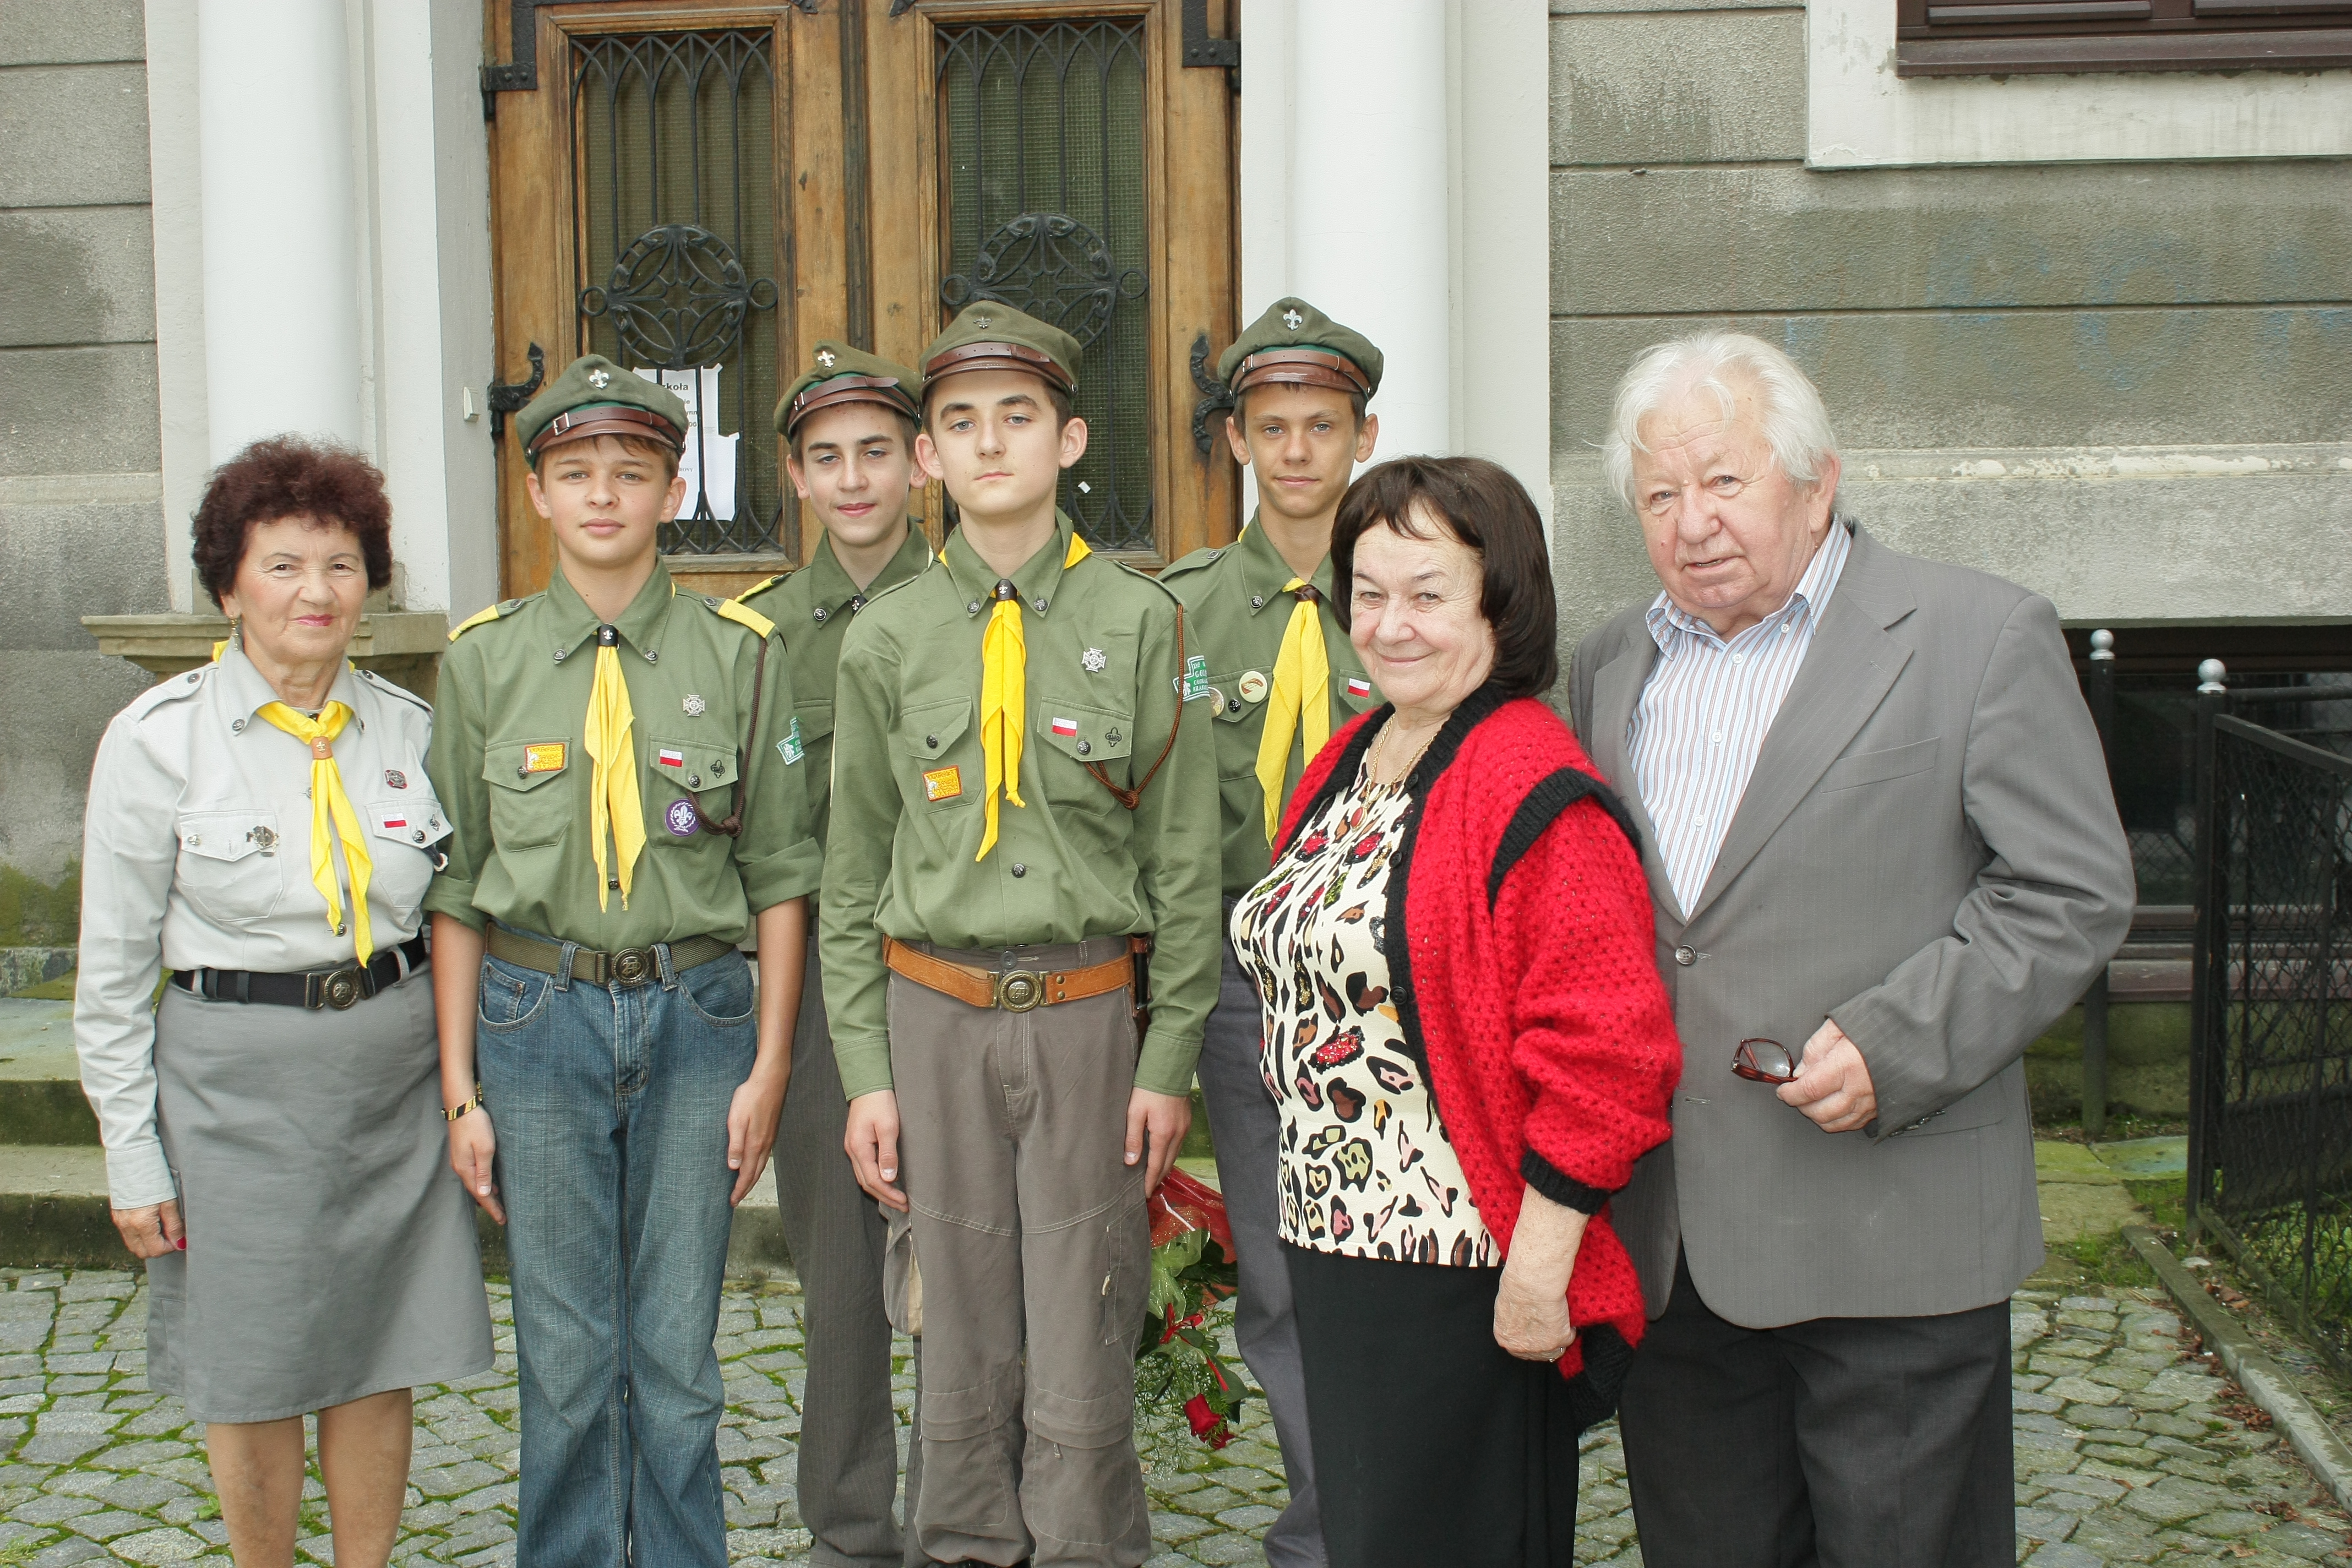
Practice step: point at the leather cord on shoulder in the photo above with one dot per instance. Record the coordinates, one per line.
(1131, 798)
(1553, 795)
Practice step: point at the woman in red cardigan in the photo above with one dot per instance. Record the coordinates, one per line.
(1468, 1042)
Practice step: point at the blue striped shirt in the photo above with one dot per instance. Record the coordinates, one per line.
(1706, 709)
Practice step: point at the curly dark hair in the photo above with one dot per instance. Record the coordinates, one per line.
(289, 476)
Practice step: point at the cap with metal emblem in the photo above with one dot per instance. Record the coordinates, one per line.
(990, 335)
(1295, 343)
(840, 373)
(593, 397)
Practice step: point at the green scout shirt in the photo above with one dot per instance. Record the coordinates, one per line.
(812, 607)
(1070, 864)
(509, 763)
(1235, 612)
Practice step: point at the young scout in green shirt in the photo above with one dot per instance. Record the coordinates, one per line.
(1282, 679)
(610, 755)
(850, 422)
(1027, 792)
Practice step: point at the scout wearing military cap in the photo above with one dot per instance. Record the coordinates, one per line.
(1283, 677)
(850, 418)
(610, 753)
(1027, 792)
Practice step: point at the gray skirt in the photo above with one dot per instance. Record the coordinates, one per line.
(330, 1249)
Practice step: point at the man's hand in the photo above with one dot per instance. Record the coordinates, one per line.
(473, 1144)
(1167, 1118)
(1833, 1085)
(751, 1118)
(153, 1231)
(873, 1144)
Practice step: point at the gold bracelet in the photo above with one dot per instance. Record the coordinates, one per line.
(468, 1108)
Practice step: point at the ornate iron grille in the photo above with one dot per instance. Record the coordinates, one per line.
(1043, 133)
(678, 240)
(2271, 1070)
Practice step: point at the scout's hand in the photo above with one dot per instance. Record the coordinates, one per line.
(751, 1129)
(1167, 1117)
(873, 1144)
(1834, 1086)
(153, 1231)
(472, 1146)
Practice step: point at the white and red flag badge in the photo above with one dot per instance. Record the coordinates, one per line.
(672, 757)
(1358, 687)
(1068, 729)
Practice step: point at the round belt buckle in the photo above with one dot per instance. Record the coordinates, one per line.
(631, 966)
(343, 988)
(1020, 991)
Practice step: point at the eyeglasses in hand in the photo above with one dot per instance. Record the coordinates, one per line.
(1764, 1061)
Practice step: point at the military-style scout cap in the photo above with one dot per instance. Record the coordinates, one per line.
(839, 373)
(1295, 344)
(987, 335)
(593, 397)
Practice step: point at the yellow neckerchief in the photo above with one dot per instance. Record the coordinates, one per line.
(332, 816)
(1301, 696)
(613, 799)
(1004, 698)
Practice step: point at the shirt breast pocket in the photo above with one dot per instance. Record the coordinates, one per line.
(229, 866)
(1237, 737)
(946, 758)
(1084, 733)
(676, 770)
(525, 812)
(413, 824)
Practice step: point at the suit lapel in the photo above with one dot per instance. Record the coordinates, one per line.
(1847, 672)
(1616, 689)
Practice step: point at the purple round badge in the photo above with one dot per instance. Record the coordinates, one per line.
(681, 817)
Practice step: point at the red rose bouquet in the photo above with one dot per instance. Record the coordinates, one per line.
(1193, 1270)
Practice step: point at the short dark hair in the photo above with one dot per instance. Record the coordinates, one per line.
(1058, 400)
(1356, 400)
(1480, 504)
(289, 476)
(797, 441)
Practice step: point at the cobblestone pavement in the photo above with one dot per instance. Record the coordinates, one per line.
(2127, 1449)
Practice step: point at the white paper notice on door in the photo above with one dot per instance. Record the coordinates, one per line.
(709, 460)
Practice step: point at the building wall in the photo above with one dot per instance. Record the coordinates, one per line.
(80, 510)
(2128, 386)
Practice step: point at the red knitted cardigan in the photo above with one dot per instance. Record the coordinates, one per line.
(1521, 958)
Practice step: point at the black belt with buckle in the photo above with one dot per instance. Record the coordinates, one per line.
(314, 989)
(629, 967)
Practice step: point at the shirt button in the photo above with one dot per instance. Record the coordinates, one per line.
(1084, 747)
(1739, 658)
(932, 741)
(1716, 737)
(1019, 869)
(1685, 956)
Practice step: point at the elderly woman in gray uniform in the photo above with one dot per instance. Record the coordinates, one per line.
(263, 829)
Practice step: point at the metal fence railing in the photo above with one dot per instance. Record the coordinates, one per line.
(2270, 1138)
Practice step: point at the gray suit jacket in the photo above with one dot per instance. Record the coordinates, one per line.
(1928, 853)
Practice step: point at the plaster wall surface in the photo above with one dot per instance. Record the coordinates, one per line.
(2127, 386)
(81, 523)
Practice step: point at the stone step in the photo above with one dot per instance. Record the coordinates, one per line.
(40, 1082)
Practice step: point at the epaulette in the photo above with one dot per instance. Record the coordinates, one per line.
(170, 689)
(1142, 576)
(729, 610)
(393, 689)
(901, 583)
(1199, 560)
(503, 608)
(757, 588)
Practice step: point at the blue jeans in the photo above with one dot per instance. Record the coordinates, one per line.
(610, 1106)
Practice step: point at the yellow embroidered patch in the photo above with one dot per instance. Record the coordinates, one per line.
(943, 784)
(547, 757)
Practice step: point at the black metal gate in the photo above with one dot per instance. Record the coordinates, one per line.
(2269, 1139)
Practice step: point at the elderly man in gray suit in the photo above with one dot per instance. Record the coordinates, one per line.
(1884, 857)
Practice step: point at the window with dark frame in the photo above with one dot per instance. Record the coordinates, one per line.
(2002, 37)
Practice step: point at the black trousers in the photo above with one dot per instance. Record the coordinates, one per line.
(1842, 1442)
(1433, 1446)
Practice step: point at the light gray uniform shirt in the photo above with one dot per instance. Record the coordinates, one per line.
(196, 855)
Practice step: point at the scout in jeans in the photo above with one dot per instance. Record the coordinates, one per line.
(850, 421)
(1283, 678)
(610, 755)
(1027, 797)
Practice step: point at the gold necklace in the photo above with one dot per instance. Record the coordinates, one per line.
(1376, 790)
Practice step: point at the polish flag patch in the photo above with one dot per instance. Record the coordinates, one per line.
(395, 822)
(671, 757)
(1067, 728)
(1358, 687)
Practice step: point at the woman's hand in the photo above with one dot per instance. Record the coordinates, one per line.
(751, 1118)
(151, 1231)
(473, 1144)
(1531, 1303)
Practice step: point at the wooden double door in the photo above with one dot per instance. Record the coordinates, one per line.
(703, 191)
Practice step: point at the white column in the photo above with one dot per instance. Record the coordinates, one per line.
(281, 274)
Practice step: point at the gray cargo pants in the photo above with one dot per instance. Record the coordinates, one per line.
(849, 1435)
(1031, 1237)
(1247, 1129)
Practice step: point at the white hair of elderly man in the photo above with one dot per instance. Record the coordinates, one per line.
(1795, 423)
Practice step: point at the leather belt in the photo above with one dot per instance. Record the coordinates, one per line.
(315, 988)
(630, 966)
(1015, 990)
